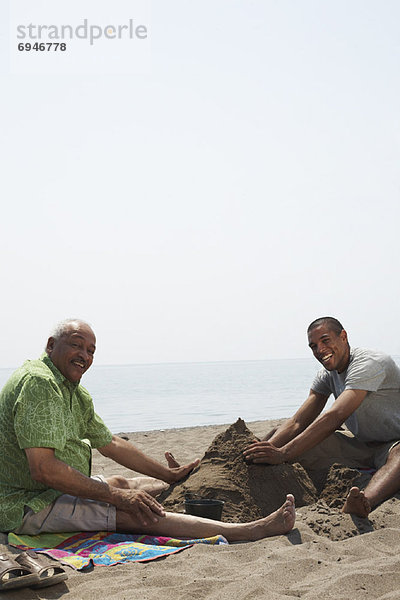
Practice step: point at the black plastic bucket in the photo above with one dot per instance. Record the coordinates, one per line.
(204, 507)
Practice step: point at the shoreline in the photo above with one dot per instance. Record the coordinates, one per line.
(267, 423)
(327, 554)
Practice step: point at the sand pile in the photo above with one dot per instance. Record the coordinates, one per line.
(249, 491)
(253, 491)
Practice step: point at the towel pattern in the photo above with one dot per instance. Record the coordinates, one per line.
(81, 550)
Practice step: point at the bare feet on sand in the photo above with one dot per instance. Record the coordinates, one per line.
(356, 503)
(277, 523)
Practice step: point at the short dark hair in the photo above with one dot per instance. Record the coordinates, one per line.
(333, 324)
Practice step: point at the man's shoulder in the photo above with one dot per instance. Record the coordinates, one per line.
(366, 355)
(367, 365)
(34, 368)
(30, 370)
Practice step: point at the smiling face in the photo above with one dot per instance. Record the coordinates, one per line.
(329, 348)
(73, 352)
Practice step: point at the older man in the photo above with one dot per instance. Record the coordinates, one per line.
(366, 386)
(47, 428)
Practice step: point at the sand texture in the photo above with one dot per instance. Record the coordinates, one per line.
(327, 555)
(249, 491)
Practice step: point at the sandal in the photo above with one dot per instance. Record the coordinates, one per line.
(47, 572)
(14, 575)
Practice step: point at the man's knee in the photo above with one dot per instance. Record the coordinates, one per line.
(118, 481)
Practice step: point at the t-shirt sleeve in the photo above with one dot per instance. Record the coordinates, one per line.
(38, 421)
(364, 373)
(322, 383)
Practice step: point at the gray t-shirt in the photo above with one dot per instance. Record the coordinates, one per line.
(378, 417)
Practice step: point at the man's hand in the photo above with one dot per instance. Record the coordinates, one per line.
(140, 505)
(52, 472)
(264, 452)
(176, 471)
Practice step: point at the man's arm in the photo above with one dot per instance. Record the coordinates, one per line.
(127, 455)
(319, 429)
(54, 473)
(306, 414)
(278, 437)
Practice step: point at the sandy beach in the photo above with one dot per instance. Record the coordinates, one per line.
(326, 555)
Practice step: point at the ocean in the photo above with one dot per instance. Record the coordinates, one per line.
(144, 397)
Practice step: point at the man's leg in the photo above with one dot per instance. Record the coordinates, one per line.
(341, 447)
(384, 483)
(187, 526)
(152, 486)
(69, 513)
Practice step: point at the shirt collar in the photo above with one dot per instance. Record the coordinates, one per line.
(57, 374)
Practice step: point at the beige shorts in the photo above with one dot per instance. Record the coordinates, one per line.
(343, 448)
(69, 513)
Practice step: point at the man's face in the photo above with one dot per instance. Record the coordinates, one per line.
(73, 352)
(330, 349)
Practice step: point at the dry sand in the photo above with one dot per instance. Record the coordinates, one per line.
(327, 555)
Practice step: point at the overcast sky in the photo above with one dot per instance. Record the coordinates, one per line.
(205, 193)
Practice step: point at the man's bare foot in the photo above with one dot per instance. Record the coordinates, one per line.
(172, 462)
(356, 503)
(177, 471)
(277, 523)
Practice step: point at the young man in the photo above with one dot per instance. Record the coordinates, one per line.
(47, 428)
(366, 386)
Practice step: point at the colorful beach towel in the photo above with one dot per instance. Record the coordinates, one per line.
(81, 550)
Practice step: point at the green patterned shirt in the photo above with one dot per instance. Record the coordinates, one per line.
(39, 408)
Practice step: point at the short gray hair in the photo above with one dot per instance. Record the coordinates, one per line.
(62, 327)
